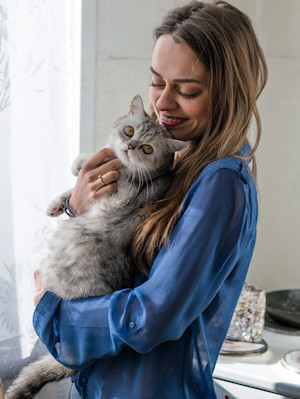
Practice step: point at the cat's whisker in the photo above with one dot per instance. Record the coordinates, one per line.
(141, 180)
(149, 182)
(139, 176)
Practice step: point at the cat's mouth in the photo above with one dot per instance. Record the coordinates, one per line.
(124, 156)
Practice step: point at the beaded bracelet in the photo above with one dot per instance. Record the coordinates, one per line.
(68, 210)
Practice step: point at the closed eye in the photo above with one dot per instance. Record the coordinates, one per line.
(181, 93)
(186, 95)
(156, 85)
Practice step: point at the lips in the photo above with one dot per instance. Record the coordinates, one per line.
(169, 120)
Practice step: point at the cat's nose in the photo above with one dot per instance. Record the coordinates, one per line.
(130, 147)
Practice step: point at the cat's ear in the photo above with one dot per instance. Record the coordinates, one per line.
(176, 145)
(137, 106)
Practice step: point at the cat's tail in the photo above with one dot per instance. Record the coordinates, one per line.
(34, 376)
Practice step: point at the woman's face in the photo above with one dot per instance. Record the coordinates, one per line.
(179, 89)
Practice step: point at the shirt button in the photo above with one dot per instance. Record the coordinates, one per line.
(132, 324)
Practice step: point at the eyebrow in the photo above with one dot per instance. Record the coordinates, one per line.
(176, 80)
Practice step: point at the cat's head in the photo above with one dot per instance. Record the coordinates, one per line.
(140, 143)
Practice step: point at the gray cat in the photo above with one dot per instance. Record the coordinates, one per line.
(97, 243)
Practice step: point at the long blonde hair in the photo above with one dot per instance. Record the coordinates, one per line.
(225, 42)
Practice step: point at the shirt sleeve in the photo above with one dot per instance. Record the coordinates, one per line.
(204, 248)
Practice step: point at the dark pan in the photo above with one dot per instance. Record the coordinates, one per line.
(284, 306)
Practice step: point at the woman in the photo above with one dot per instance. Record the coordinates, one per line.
(161, 339)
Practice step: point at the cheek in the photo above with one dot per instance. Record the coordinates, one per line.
(153, 96)
(199, 111)
(151, 93)
(118, 142)
(118, 145)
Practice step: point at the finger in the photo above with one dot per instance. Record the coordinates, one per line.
(113, 164)
(98, 158)
(99, 183)
(38, 296)
(106, 179)
(106, 168)
(37, 279)
(104, 191)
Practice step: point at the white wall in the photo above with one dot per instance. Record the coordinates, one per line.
(124, 49)
(124, 46)
(276, 259)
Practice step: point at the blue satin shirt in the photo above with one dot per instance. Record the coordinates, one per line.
(161, 339)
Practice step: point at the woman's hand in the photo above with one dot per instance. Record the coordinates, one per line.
(40, 290)
(95, 180)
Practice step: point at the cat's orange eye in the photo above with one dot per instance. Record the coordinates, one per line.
(147, 149)
(128, 131)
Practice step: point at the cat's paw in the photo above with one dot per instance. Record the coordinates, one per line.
(78, 162)
(56, 207)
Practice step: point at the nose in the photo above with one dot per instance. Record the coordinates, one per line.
(130, 147)
(166, 100)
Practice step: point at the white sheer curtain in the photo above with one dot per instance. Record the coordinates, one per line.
(39, 138)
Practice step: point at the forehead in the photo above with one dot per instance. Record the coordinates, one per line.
(177, 60)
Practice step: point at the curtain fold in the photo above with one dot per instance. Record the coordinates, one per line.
(39, 138)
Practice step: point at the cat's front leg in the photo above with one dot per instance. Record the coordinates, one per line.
(56, 207)
(78, 162)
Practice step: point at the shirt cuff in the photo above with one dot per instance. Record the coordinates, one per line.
(44, 322)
